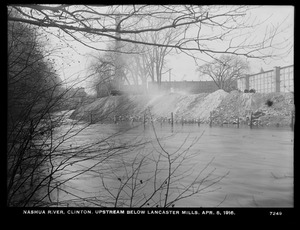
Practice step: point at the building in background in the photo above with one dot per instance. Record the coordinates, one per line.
(192, 87)
(280, 79)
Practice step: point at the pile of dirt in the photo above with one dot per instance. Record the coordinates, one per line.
(274, 109)
(209, 103)
(225, 107)
(189, 107)
(181, 105)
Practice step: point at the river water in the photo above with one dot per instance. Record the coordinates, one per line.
(228, 166)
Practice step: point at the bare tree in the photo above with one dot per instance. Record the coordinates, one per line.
(137, 65)
(38, 134)
(143, 62)
(153, 59)
(225, 71)
(31, 85)
(202, 27)
(103, 71)
(41, 142)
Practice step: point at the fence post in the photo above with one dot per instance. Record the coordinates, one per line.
(199, 122)
(144, 121)
(292, 120)
(277, 78)
(182, 121)
(210, 119)
(251, 120)
(172, 119)
(247, 85)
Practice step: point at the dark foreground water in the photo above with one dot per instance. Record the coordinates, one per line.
(229, 167)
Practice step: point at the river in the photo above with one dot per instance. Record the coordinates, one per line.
(228, 166)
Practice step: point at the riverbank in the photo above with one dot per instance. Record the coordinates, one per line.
(274, 109)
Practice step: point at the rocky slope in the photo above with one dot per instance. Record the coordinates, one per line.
(225, 107)
(274, 108)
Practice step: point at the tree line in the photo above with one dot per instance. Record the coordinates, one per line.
(140, 38)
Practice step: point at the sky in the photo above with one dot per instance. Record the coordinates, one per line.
(73, 64)
(185, 69)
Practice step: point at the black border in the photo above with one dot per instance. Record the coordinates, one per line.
(250, 213)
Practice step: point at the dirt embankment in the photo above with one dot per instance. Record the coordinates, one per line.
(225, 107)
(273, 109)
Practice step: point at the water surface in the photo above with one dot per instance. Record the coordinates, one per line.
(258, 164)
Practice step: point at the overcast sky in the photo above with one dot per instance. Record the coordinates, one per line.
(73, 65)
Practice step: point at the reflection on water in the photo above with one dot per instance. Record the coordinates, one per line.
(259, 162)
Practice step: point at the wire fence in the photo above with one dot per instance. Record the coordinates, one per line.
(280, 79)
